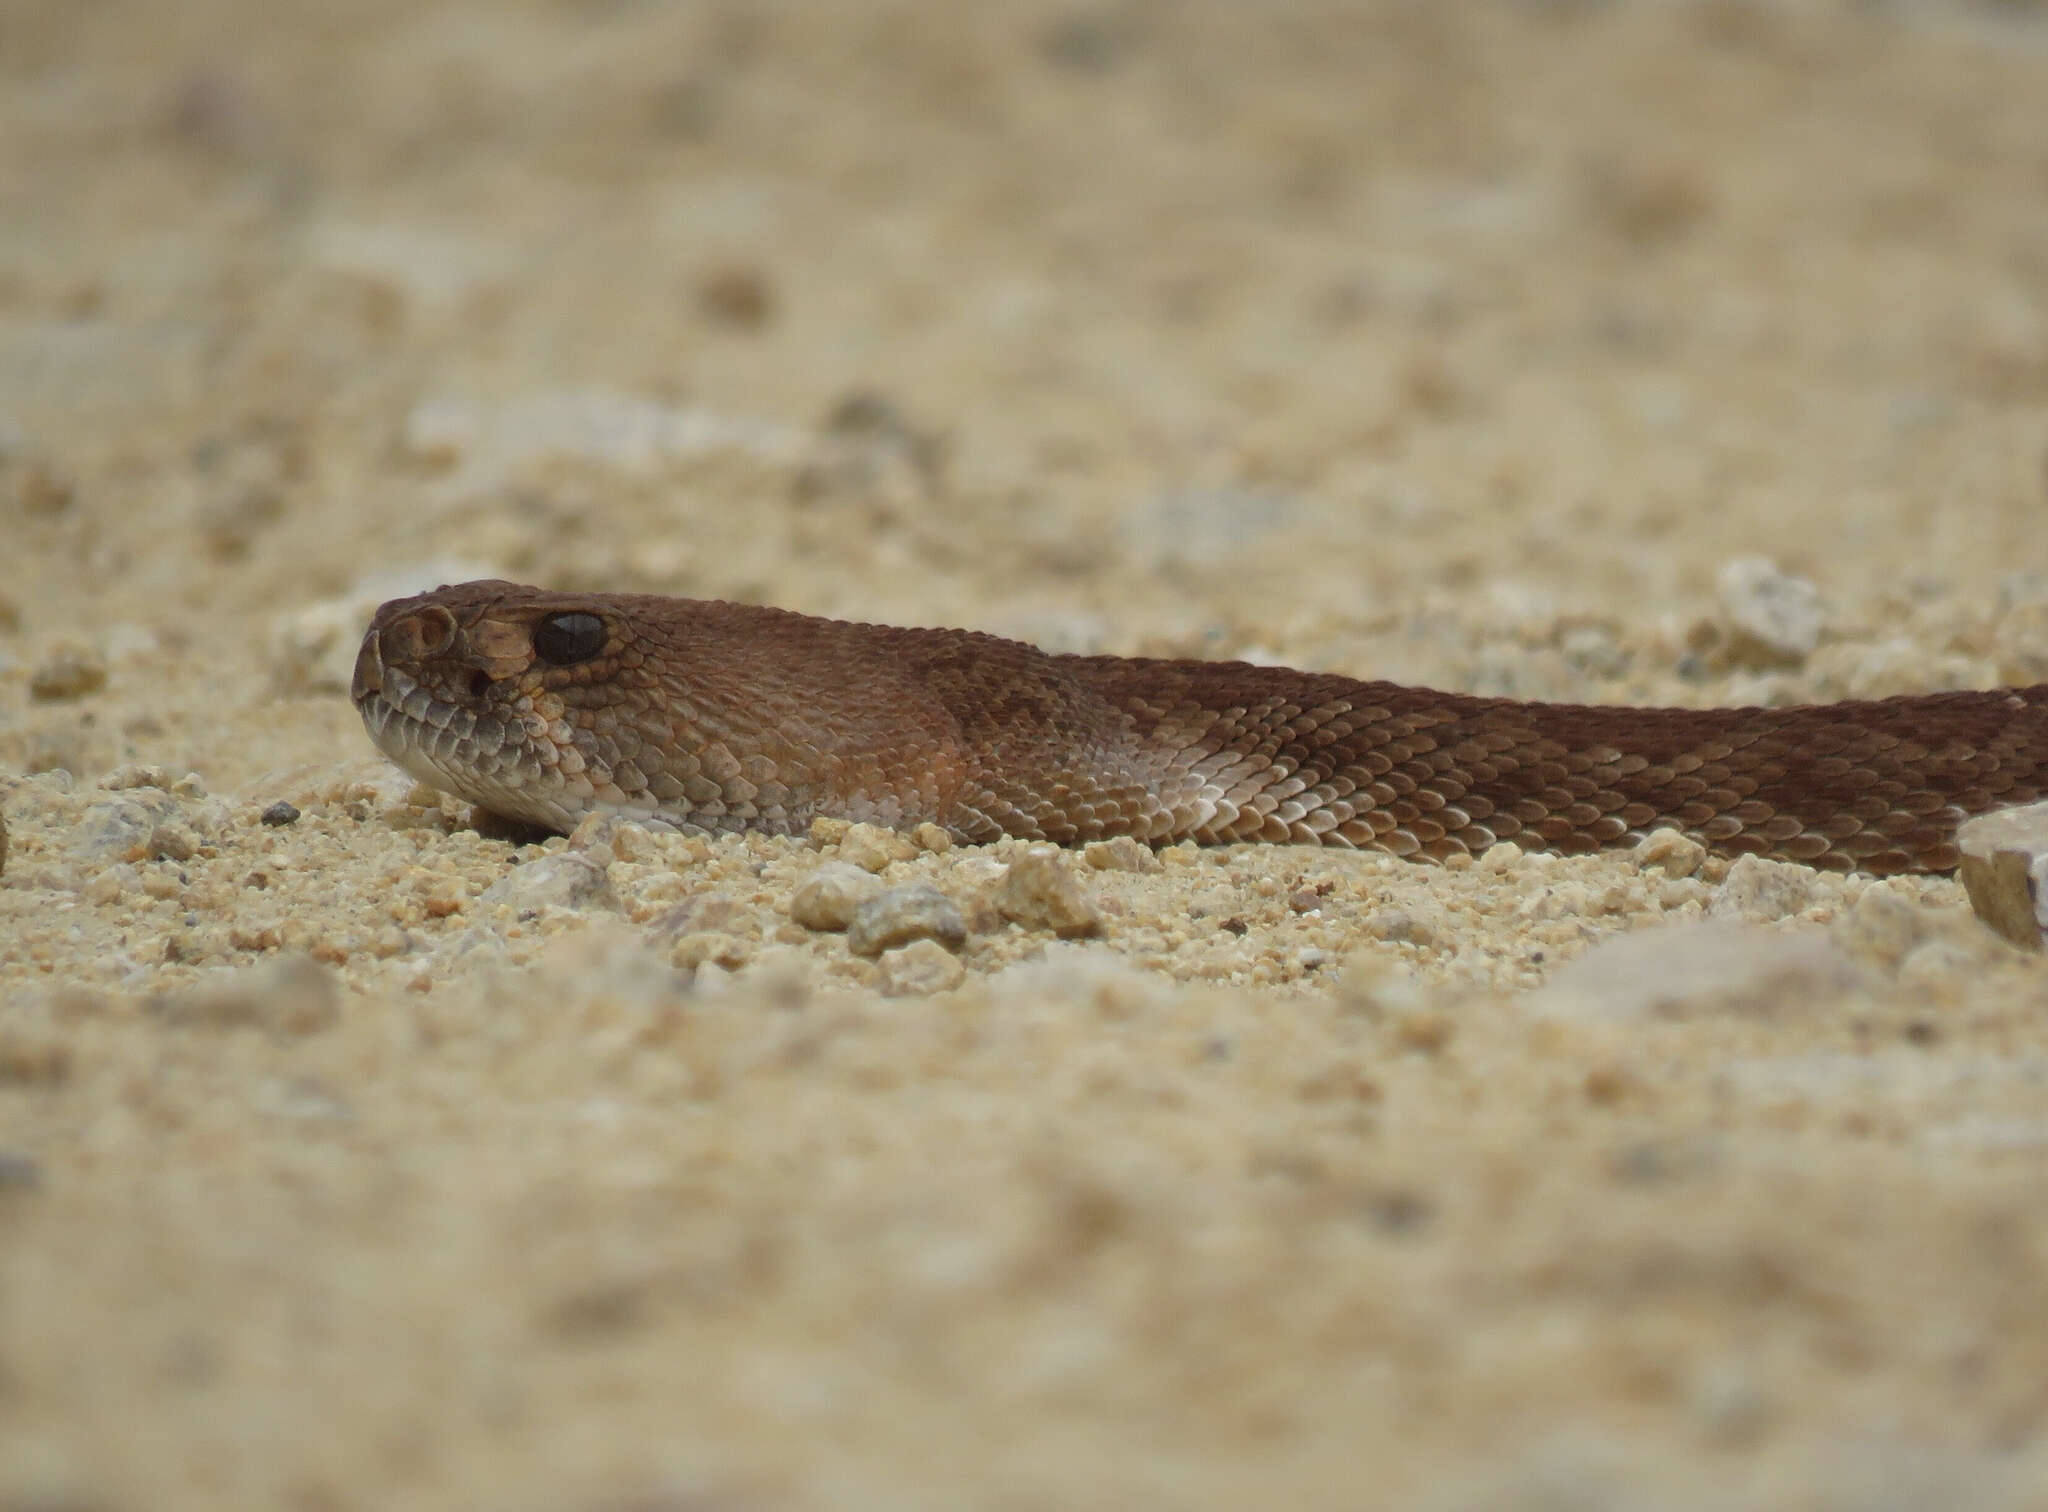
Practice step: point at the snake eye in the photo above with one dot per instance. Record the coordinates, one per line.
(563, 640)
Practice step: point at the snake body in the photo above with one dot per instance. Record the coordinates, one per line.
(544, 707)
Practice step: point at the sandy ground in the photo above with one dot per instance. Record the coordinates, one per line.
(368, 1161)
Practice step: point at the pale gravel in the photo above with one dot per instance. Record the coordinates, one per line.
(369, 1160)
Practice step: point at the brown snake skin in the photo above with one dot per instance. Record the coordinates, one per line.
(544, 707)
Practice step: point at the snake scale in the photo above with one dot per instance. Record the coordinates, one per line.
(543, 707)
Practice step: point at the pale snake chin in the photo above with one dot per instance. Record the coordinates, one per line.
(544, 707)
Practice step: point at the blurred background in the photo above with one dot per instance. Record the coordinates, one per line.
(1114, 322)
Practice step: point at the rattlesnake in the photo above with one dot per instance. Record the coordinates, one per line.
(543, 707)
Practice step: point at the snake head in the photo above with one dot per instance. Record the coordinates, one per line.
(472, 689)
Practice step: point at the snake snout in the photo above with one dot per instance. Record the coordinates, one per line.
(416, 637)
(408, 641)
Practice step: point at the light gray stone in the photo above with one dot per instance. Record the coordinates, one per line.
(2005, 871)
(916, 911)
(567, 879)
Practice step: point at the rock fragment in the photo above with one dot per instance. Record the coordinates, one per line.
(1760, 890)
(173, 841)
(706, 946)
(1039, 892)
(1670, 852)
(1123, 853)
(827, 898)
(1773, 615)
(919, 969)
(1399, 926)
(134, 775)
(713, 912)
(567, 879)
(872, 848)
(916, 911)
(119, 828)
(2005, 871)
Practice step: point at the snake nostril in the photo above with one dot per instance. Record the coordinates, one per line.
(480, 685)
(418, 637)
(434, 630)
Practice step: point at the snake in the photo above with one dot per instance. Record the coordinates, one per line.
(545, 707)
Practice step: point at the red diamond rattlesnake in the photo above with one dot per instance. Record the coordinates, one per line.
(543, 707)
